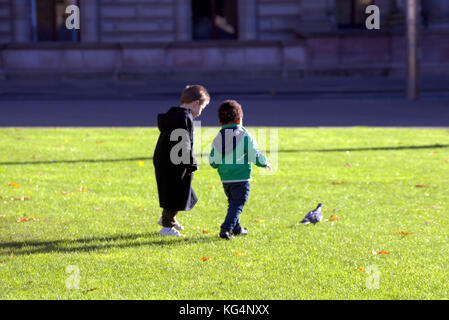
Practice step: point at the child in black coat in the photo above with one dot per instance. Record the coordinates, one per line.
(173, 159)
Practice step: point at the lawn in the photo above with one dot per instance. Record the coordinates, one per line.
(90, 199)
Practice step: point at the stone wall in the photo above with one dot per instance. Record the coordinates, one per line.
(137, 21)
(5, 22)
(277, 19)
(351, 54)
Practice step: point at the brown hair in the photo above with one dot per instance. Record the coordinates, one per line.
(193, 93)
(230, 111)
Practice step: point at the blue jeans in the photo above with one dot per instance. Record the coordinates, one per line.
(237, 193)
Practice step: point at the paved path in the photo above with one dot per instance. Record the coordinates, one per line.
(330, 102)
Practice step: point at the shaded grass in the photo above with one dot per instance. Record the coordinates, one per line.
(365, 176)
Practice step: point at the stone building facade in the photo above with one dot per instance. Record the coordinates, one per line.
(252, 37)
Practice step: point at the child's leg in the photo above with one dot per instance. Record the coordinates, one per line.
(169, 218)
(237, 194)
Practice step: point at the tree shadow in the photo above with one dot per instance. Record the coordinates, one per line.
(91, 244)
(392, 148)
(74, 161)
(387, 148)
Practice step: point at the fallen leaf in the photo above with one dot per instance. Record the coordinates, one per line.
(435, 207)
(404, 233)
(99, 141)
(382, 252)
(206, 259)
(236, 267)
(20, 138)
(360, 268)
(39, 173)
(21, 199)
(420, 186)
(239, 254)
(348, 165)
(14, 185)
(338, 182)
(82, 189)
(64, 193)
(98, 209)
(334, 217)
(258, 220)
(434, 152)
(205, 231)
(26, 219)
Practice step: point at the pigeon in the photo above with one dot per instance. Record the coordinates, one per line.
(313, 216)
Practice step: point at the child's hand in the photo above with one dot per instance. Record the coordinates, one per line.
(269, 168)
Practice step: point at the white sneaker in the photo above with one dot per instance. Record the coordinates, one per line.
(177, 226)
(170, 232)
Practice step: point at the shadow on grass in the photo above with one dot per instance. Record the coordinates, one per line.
(392, 148)
(395, 148)
(73, 161)
(97, 243)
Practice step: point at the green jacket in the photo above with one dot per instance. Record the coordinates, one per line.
(233, 151)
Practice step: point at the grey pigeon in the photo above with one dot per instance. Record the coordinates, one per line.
(313, 216)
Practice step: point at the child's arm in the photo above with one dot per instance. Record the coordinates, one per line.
(212, 157)
(193, 164)
(254, 155)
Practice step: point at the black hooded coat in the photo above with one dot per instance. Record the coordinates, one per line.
(174, 178)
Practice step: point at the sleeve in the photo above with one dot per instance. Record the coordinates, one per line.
(254, 155)
(212, 158)
(193, 164)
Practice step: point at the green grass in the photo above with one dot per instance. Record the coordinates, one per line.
(111, 234)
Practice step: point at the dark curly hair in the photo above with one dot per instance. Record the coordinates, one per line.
(230, 111)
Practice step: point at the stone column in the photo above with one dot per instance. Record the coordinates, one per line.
(183, 20)
(90, 20)
(436, 13)
(21, 20)
(247, 12)
(317, 16)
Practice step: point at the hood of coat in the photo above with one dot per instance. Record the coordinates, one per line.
(227, 139)
(174, 118)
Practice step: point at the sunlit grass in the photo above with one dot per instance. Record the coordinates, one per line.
(366, 177)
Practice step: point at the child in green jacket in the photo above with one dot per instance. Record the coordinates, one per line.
(233, 151)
